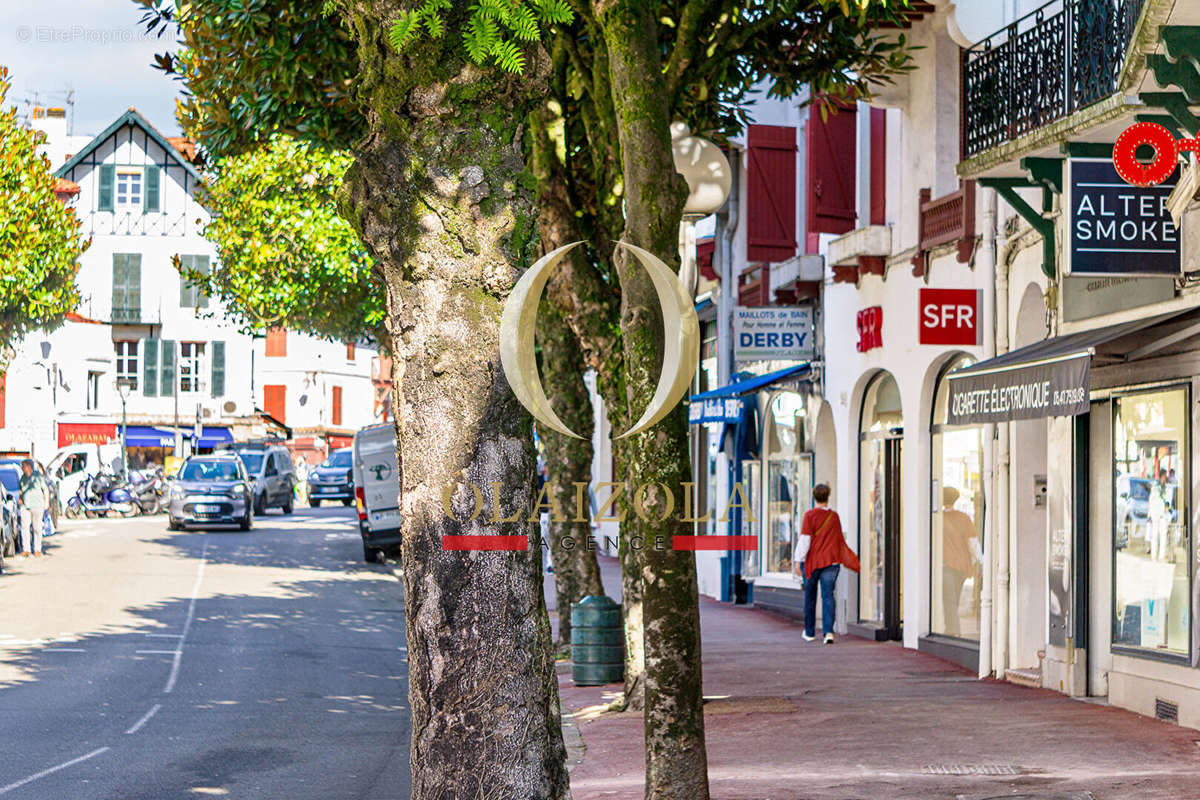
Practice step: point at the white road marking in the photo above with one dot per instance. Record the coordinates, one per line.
(51, 771)
(165, 635)
(154, 652)
(187, 623)
(137, 726)
(64, 650)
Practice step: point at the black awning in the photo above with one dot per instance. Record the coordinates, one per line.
(1050, 378)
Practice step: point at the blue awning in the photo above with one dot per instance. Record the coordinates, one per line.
(213, 435)
(146, 436)
(752, 384)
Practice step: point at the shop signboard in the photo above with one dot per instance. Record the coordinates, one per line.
(1056, 387)
(1098, 295)
(950, 317)
(715, 409)
(870, 328)
(773, 333)
(1116, 228)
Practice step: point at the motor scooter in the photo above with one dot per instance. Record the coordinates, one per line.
(149, 491)
(98, 495)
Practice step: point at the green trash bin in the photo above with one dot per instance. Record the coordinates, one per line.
(597, 642)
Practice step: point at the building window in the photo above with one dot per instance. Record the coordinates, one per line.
(956, 524)
(127, 361)
(349, 351)
(190, 295)
(93, 390)
(191, 366)
(789, 480)
(129, 189)
(336, 417)
(1151, 537)
(127, 287)
(276, 342)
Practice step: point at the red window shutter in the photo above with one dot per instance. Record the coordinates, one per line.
(878, 166)
(771, 193)
(337, 405)
(277, 342)
(832, 143)
(349, 351)
(3, 395)
(275, 401)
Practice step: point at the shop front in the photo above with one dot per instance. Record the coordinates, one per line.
(1119, 581)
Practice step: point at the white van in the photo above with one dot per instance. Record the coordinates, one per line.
(75, 462)
(377, 489)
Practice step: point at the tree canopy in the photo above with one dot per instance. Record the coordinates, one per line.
(40, 243)
(285, 256)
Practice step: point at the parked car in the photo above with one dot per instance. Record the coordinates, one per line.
(272, 475)
(377, 489)
(333, 479)
(211, 488)
(51, 484)
(10, 520)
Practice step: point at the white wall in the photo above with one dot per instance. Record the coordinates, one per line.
(310, 370)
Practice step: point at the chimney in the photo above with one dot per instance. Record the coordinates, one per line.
(52, 122)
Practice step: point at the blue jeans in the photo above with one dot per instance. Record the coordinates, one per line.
(826, 578)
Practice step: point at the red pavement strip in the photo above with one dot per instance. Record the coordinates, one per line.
(874, 721)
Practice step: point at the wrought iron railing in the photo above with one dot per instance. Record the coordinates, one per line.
(1051, 62)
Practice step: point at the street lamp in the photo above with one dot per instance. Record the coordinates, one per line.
(125, 385)
(709, 179)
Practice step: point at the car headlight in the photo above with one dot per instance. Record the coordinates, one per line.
(177, 491)
(237, 489)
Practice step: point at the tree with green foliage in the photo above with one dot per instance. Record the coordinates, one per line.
(40, 243)
(285, 256)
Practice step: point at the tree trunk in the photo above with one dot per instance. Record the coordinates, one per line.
(676, 763)
(568, 462)
(592, 308)
(436, 194)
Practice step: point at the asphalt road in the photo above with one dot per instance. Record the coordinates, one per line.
(141, 664)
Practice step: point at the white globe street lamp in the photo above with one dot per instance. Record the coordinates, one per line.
(709, 179)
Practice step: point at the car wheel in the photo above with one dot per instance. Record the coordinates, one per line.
(372, 555)
(288, 504)
(346, 501)
(172, 525)
(260, 504)
(246, 521)
(313, 502)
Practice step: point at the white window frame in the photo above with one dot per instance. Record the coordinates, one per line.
(124, 194)
(127, 355)
(92, 390)
(192, 367)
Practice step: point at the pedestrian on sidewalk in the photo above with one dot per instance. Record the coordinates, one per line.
(820, 554)
(34, 497)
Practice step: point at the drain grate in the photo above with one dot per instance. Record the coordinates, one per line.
(1166, 710)
(970, 769)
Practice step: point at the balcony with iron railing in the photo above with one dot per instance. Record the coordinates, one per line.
(1047, 65)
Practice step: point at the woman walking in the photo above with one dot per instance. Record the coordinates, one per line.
(820, 554)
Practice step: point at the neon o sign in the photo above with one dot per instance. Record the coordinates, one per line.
(1166, 153)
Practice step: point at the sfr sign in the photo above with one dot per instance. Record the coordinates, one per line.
(950, 316)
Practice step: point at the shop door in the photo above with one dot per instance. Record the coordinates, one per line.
(880, 590)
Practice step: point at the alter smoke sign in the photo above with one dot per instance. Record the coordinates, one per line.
(1117, 228)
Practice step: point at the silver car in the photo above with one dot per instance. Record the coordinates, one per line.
(211, 489)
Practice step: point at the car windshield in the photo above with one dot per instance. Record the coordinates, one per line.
(10, 478)
(252, 461)
(340, 458)
(209, 471)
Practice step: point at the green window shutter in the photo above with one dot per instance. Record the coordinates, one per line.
(167, 368)
(150, 367)
(152, 180)
(120, 266)
(201, 265)
(185, 288)
(218, 369)
(108, 177)
(133, 285)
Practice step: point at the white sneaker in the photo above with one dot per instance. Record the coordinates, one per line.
(808, 638)
(829, 638)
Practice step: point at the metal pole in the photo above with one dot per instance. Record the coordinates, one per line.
(124, 445)
(175, 397)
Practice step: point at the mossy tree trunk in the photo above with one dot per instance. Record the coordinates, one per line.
(589, 299)
(676, 763)
(439, 194)
(568, 462)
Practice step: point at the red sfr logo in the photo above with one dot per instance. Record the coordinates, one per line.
(950, 316)
(870, 328)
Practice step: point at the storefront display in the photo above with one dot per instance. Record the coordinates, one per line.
(1151, 535)
(880, 479)
(956, 549)
(784, 500)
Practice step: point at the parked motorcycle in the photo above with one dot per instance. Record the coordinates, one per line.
(99, 495)
(149, 490)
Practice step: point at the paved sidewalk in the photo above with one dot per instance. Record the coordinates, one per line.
(790, 719)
